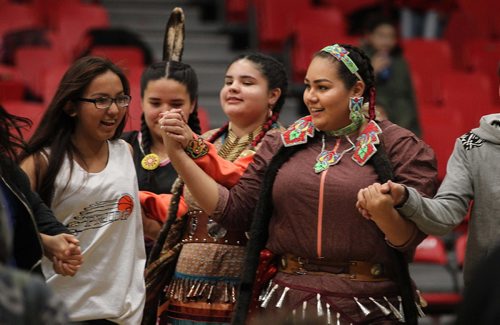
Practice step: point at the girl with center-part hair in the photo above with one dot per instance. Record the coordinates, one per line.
(298, 198)
(85, 173)
(160, 92)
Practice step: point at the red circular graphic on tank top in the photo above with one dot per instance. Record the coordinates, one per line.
(126, 204)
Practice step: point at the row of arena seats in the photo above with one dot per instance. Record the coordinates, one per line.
(65, 21)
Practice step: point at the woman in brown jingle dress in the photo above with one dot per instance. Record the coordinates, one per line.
(299, 199)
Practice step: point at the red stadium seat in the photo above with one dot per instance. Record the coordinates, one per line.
(11, 90)
(435, 278)
(51, 80)
(74, 21)
(428, 60)
(308, 40)
(274, 26)
(204, 119)
(123, 56)
(14, 16)
(348, 6)
(33, 62)
(482, 55)
(236, 11)
(467, 95)
(441, 126)
(460, 245)
(135, 107)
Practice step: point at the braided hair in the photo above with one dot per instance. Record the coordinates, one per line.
(180, 72)
(264, 209)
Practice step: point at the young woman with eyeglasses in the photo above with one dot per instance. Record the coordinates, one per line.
(85, 173)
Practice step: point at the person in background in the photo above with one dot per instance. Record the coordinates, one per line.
(298, 198)
(424, 18)
(85, 173)
(35, 229)
(395, 93)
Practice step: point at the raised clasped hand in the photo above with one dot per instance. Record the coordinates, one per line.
(176, 133)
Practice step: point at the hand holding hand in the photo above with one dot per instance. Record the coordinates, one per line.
(64, 251)
(398, 192)
(374, 202)
(175, 128)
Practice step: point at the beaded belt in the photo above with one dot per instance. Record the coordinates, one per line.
(353, 270)
(202, 229)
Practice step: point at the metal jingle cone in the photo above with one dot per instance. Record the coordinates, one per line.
(233, 293)
(394, 310)
(328, 314)
(192, 288)
(401, 310)
(304, 307)
(319, 307)
(279, 304)
(225, 296)
(264, 293)
(382, 308)
(365, 310)
(269, 296)
(210, 292)
(338, 318)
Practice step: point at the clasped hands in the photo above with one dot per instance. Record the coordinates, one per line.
(64, 252)
(377, 200)
(176, 132)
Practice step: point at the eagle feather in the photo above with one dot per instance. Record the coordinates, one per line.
(173, 45)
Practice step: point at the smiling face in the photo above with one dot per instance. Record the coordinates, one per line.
(326, 95)
(245, 96)
(160, 96)
(99, 125)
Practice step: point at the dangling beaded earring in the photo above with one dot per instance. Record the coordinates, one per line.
(355, 106)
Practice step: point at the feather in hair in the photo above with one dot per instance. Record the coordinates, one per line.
(173, 45)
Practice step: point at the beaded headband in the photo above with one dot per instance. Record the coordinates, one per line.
(342, 55)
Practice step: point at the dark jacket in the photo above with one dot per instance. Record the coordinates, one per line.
(30, 216)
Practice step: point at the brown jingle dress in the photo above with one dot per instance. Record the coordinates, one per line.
(341, 234)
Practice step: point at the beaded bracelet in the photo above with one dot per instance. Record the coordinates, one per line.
(196, 148)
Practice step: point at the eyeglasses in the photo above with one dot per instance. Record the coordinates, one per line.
(122, 101)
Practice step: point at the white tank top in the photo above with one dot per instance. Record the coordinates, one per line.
(103, 211)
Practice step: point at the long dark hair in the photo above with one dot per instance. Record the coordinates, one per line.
(264, 209)
(56, 126)
(11, 136)
(180, 72)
